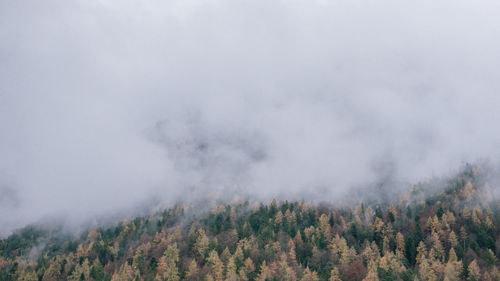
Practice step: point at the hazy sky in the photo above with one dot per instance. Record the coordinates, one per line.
(106, 104)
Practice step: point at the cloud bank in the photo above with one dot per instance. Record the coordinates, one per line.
(106, 104)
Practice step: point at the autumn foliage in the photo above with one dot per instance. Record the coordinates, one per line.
(447, 235)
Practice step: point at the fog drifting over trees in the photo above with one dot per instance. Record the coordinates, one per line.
(107, 104)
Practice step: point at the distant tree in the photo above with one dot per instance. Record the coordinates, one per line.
(474, 271)
(172, 258)
(286, 272)
(81, 271)
(334, 275)
(393, 213)
(192, 270)
(421, 252)
(124, 274)
(476, 217)
(53, 272)
(466, 214)
(264, 272)
(231, 274)
(167, 267)
(216, 264)
(400, 242)
(490, 257)
(202, 243)
(452, 271)
(29, 275)
(437, 246)
(426, 272)
(97, 271)
(324, 225)
(452, 239)
(249, 265)
(463, 235)
(309, 275)
(372, 272)
(453, 267)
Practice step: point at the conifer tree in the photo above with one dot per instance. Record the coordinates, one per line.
(216, 264)
(286, 272)
(334, 275)
(400, 241)
(202, 243)
(264, 272)
(192, 270)
(452, 239)
(372, 274)
(426, 272)
(421, 252)
(309, 275)
(474, 271)
(231, 270)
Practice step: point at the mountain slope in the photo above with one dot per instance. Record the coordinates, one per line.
(445, 233)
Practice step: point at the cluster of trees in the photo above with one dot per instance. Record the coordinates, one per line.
(449, 235)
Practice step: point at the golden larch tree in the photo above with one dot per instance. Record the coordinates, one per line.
(216, 264)
(334, 275)
(474, 271)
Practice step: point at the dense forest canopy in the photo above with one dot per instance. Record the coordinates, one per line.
(448, 234)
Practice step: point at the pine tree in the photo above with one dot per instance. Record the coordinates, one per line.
(466, 212)
(449, 274)
(30, 276)
(490, 257)
(81, 271)
(124, 274)
(393, 212)
(437, 246)
(309, 275)
(468, 191)
(421, 252)
(324, 225)
(264, 272)
(192, 270)
(291, 253)
(278, 219)
(426, 272)
(167, 268)
(286, 272)
(386, 245)
(238, 256)
(226, 254)
(201, 244)
(372, 274)
(53, 272)
(453, 268)
(249, 265)
(474, 271)
(400, 241)
(231, 270)
(172, 256)
(452, 257)
(217, 266)
(334, 275)
(475, 217)
(463, 235)
(452, 239)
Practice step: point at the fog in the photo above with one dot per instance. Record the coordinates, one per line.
(105, 105)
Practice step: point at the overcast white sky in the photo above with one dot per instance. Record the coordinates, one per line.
(105, 104)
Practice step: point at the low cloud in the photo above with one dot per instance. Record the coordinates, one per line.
(107, 104)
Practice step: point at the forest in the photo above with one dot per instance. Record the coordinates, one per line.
(450, 232)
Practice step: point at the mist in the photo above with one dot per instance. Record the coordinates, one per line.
(105, 105)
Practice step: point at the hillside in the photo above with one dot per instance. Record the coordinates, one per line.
(448, 234)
